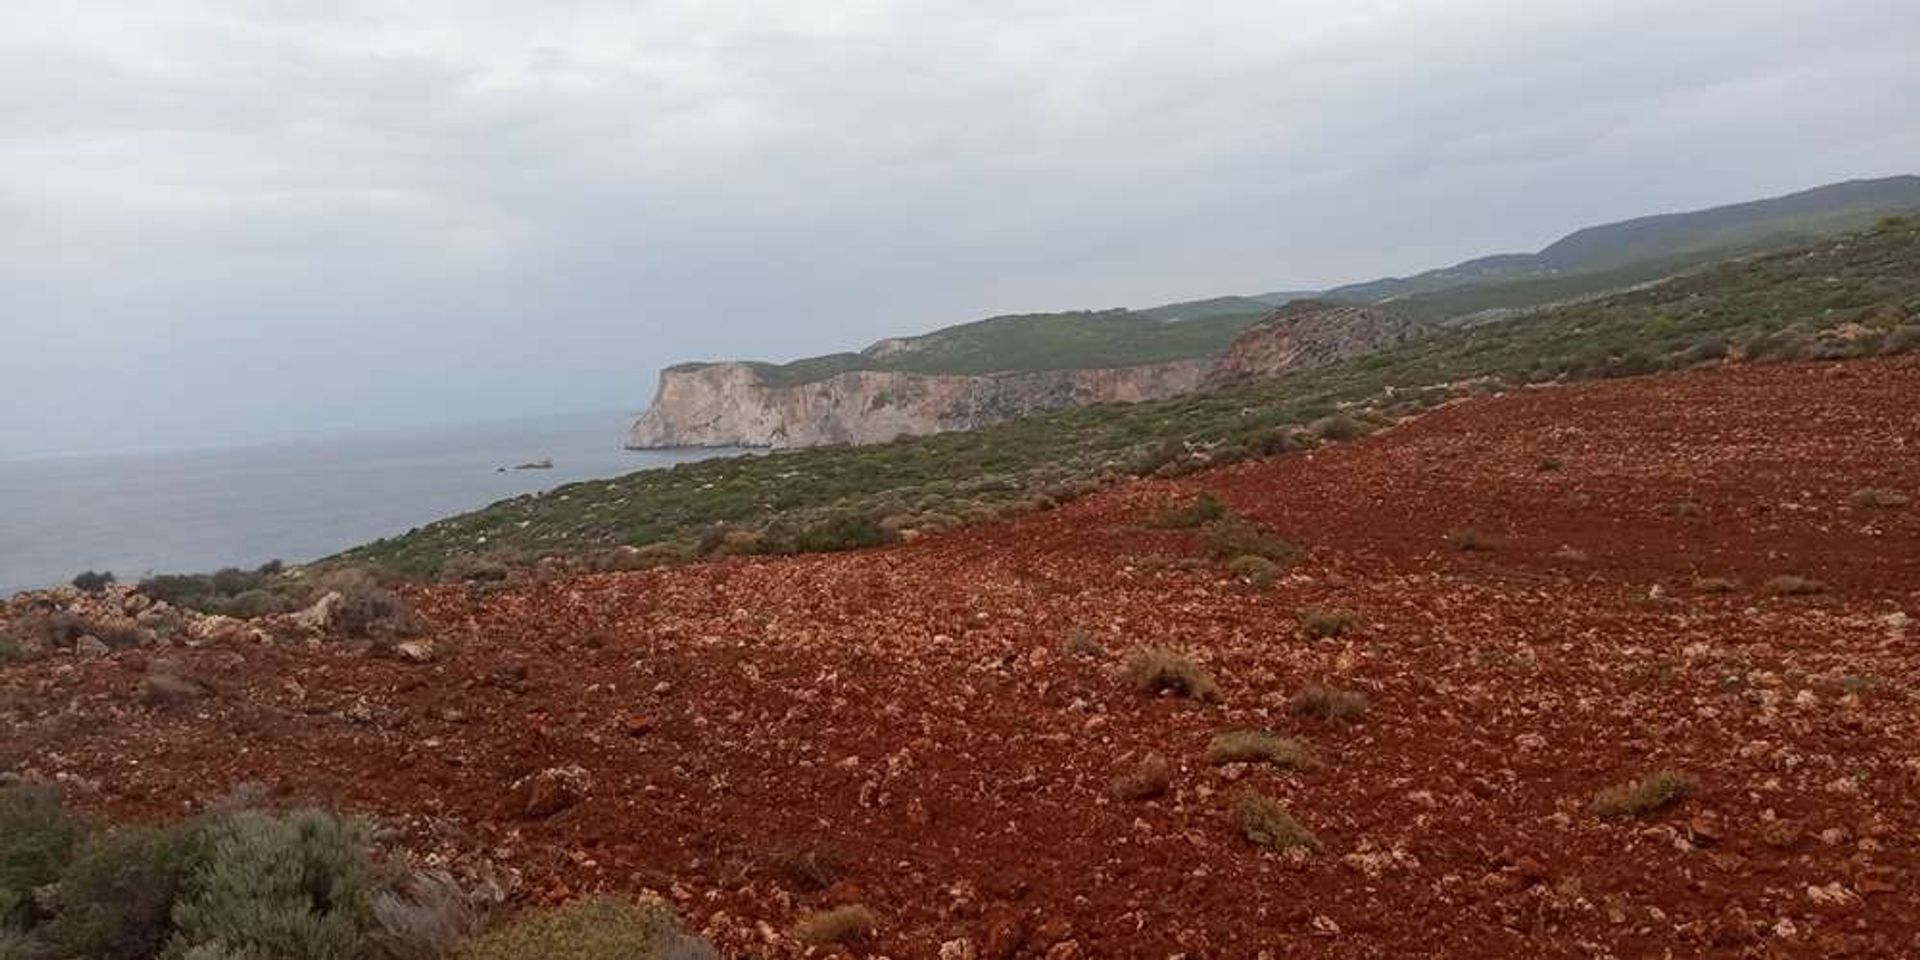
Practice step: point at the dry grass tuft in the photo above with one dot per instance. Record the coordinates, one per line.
(809, 867)
(1158, 670)
(1788, 585)
(1329, 703)
(1148, 779)
(1878, 497)
(1326, 624)
(1260, 746)
(1650, 793)
(1266, 822)
(839, 925)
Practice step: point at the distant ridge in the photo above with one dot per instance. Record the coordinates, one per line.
(1587, 262)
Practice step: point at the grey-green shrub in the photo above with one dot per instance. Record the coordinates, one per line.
(290, 888)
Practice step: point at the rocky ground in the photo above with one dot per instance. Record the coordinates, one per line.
(1556, 590)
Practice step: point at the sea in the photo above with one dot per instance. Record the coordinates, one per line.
(200, 510)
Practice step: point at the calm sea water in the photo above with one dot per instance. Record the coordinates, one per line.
(200, 510)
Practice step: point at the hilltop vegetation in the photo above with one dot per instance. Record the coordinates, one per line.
(1047, 341)
(1852, 296)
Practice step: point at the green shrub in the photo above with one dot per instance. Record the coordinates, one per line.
(1326, 624)
(1645, 795)
(1238, 537)
(590, 930)
(115, 902)
(1267, 823)
(1338, 427)
(371, 611)
(37, 838)
(1205, 508)
(1256, 571)
(93, 581)
(294, 887)
(1156, 670)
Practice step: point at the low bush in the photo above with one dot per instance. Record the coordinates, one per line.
(1328, 703)
(1267, 823)
(1204, 509)
(1326, 624)
(371, 611)
(1255, 571)
(1148, 779)
(1645, 795)
(1236, 537)
(600, 929)
(839, 925)
(1261, 746)
(37, 838)
(1338, 427)
(293, 887)
(115, 902)
(93, 581)
(1155, 670)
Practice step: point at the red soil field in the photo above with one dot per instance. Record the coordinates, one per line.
(907, 727)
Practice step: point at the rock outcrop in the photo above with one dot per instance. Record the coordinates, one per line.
(738, 404)
(733, 404)
(1309, 333)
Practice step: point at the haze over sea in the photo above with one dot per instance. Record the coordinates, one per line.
(198, 510)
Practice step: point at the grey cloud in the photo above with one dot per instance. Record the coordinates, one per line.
(233, 221)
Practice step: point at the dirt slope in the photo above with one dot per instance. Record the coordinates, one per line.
(913, 710)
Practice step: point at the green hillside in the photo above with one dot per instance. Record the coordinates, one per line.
(1032, 342)
(1587, 262)
(1776, 306)
(1618, 255)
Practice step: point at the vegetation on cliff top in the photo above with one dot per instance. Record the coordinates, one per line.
(1851, 296)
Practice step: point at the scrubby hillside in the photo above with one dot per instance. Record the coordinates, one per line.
(1848, 297)
(1620, 668)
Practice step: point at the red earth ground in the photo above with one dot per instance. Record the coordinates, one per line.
(913, 717)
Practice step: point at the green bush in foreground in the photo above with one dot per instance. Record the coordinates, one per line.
(36, 841)
(235, 885)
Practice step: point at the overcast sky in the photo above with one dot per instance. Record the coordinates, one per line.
(233, 221)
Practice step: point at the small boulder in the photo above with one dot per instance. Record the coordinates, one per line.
(414, 651)
(91, 646)
(320, 617)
